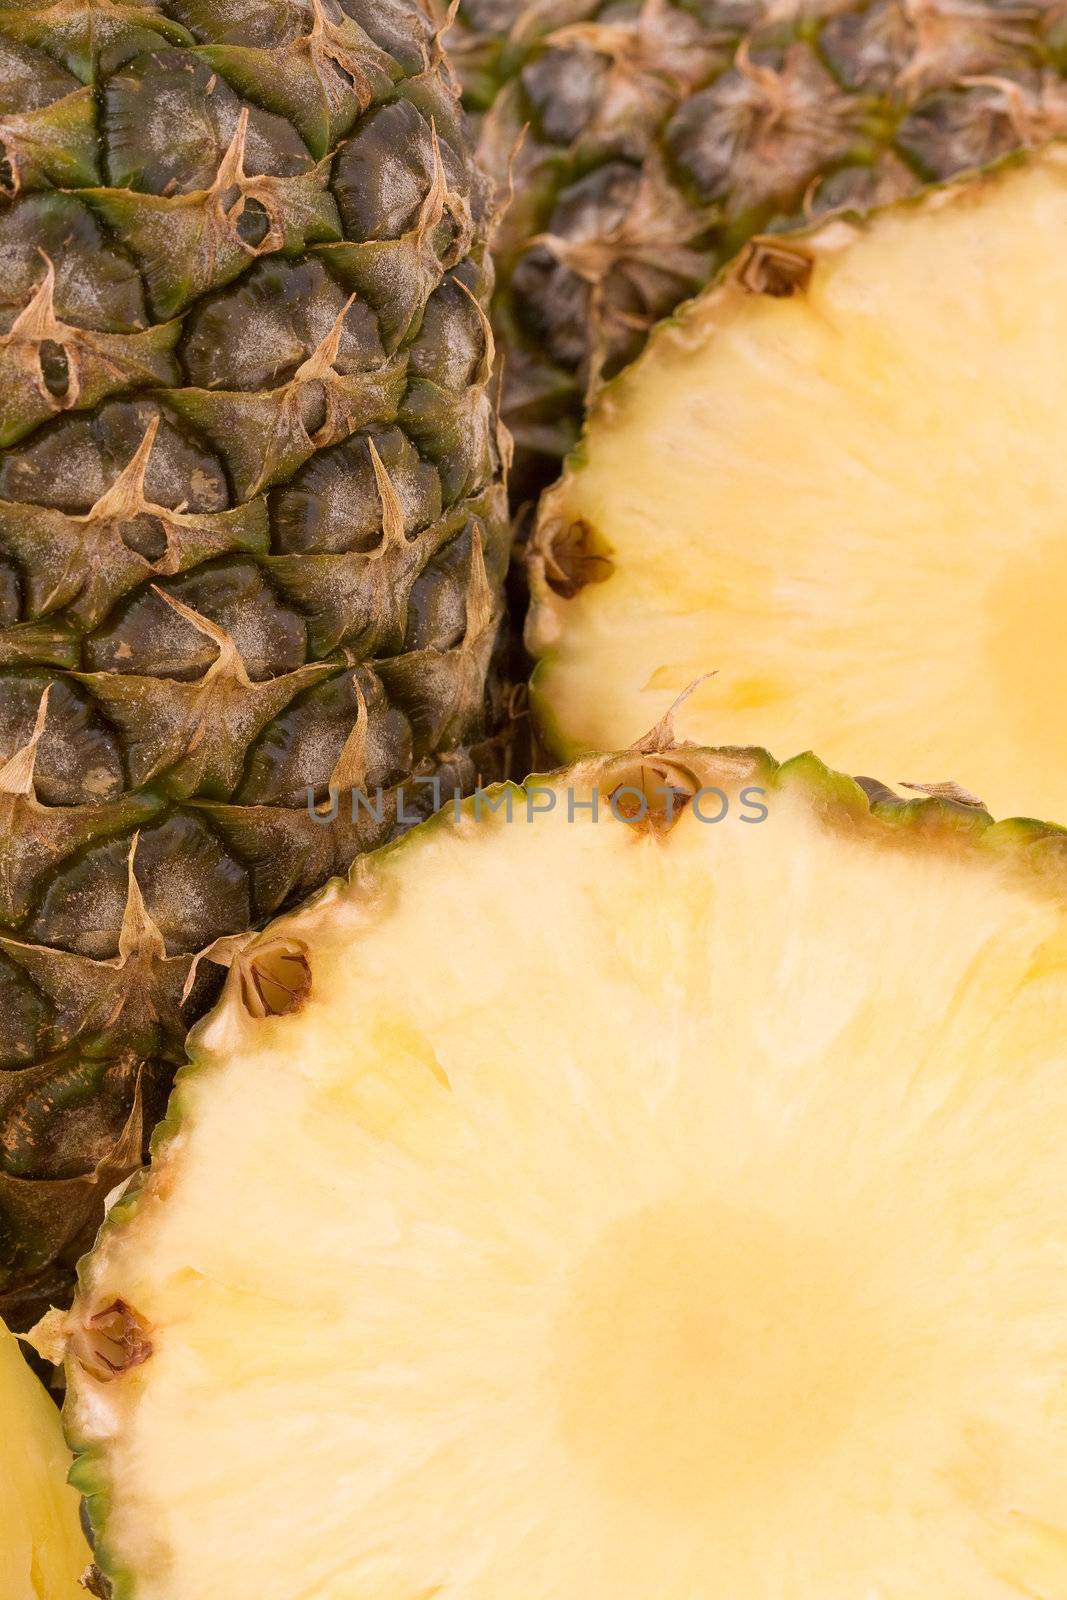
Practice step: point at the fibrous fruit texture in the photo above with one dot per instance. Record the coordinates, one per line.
(834, 488)
(661, 134)
(664, 1203)
(43, 1552)
(252, 524)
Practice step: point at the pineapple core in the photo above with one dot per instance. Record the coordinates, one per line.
(847, 504)
(623, 1216)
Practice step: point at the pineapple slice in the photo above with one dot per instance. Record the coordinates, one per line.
(43, 1552)
(639, 1207)
(835, 485)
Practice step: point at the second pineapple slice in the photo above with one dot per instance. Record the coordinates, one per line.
(837, 485)
(43, 1553)
(622, 1210)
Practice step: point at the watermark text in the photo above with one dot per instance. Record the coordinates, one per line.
(627, 803)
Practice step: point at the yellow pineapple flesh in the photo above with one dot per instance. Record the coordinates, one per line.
(43, 1552)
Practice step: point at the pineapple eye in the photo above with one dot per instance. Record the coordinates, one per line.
(145, 535)
(276, 979)
(648, 803)
(575, 560)
(55, 368)
(311, 399)
(775, 270)
(253, 223)
(112, 1341)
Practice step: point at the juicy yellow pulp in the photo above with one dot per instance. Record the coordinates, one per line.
(623, 1218)
(851, 507)
(43, 1551)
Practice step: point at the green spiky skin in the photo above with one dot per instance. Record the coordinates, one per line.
(660, 135)
(252, 524)
(1034, 850)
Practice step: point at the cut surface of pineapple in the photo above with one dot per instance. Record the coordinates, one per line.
(835, 485)
(43, 1552)
(621, 1209)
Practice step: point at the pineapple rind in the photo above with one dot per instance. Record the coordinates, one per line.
(1033, 851)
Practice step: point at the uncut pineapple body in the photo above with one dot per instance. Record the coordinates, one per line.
(644, 141)
(252, 525)
(671, 1204)
(43, 1551)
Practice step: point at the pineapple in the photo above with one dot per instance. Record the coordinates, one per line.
(43, 1553)
(660, 135)
(660, 1203)
(253, 528)
(832, 493)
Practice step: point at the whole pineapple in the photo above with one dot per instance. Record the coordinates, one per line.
(252, 524)
(645, 140)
